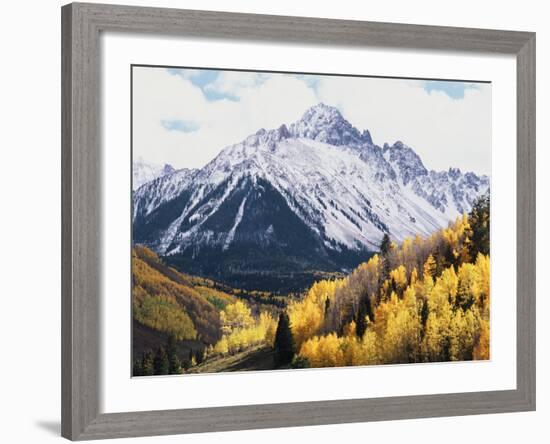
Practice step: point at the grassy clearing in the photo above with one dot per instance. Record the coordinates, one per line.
(254, 358)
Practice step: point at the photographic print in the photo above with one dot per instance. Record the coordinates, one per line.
(294, 221)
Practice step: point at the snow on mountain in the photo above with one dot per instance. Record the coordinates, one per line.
(317, 192)
(144, 172)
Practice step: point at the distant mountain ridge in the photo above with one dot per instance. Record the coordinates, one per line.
(317, 194)
(144, 172)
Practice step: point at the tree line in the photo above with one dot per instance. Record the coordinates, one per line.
(165, 360)
(427, 300)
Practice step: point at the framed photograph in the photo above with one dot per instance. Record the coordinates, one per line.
(280, 221)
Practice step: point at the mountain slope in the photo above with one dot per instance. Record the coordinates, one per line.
(170, 302)
(143, 172)
(316, 195)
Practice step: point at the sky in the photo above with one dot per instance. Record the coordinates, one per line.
(185, 117)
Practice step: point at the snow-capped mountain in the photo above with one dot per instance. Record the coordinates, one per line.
(315, 195)
(144, 172)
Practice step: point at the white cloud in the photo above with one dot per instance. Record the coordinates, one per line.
(236, 83)
(160, 96)
(444, 131)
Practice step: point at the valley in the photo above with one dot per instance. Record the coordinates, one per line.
(426, 300)
(308, 246)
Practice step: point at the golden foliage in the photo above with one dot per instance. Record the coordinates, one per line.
(236, 316)
(163, 313)
(308, 316)
(217, 298)
(335, 351)
(442, 315)
(481, 348)
(167, 300)
(241, 330)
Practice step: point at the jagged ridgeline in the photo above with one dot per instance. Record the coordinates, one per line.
(426, 300)
(290, 206)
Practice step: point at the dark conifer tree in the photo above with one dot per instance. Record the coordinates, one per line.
(174, 364)
(327, 306)
(147, 366)
(360, 321)
(284, 342)
(186, 363)
(199, 356)
(449, 258)
(368, 307)
(479, 219)
(365, 309)
(425, 312)
(160, 362)
(393, 285)
(439, 264)
(385, 244)
(137, 370)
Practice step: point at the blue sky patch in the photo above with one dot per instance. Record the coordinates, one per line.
(311, 81)
(184, 126)
(203, 78)
(455, 90)
(212, 95)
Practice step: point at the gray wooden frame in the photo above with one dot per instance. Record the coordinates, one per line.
(81, 232)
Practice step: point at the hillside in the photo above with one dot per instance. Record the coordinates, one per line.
(189, 314)
(426, 300)
(167, 303)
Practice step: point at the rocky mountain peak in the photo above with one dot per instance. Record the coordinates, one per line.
(405, 161)
(290, 190)
(326, 124)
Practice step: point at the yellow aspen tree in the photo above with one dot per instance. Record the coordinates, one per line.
(237, 315)
(467, 282)
(430, 267)
(414, 277)
(483, 266)
(369, 355)
(399, 276)
(448, 283)
(324, 351)
(481, 348)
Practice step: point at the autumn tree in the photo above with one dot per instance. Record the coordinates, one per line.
(430, 267)
(427, 300)
(237, 315)
(481, 347)
(316, 310)
(398, 279)
(284, 342)
(257, 331)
